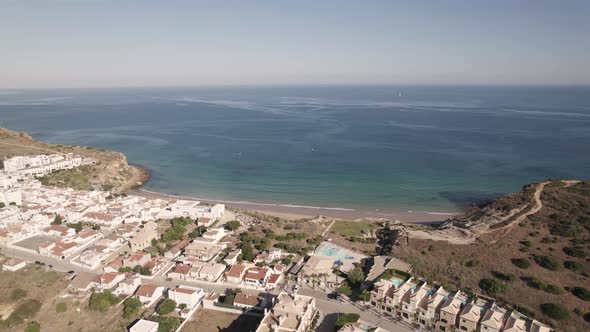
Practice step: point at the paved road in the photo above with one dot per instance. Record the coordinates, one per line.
(328, 308)
(65, 265)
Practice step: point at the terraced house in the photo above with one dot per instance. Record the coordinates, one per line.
(434, 308)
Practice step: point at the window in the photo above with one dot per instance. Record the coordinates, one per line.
(463, 328)
(444, 320)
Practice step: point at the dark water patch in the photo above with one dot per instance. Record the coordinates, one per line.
(467, 199)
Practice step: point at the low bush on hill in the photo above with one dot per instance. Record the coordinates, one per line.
(574, 266)
(548, 262)
(581, 293)
(555, 311)
(522, 263)
(576, 251)
(504, 276)
(491, 287)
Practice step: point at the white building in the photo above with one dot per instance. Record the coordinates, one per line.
(13, 265)
(143, 325)
(149, 293)
(290, 313)
(186, 295)
(11, 196)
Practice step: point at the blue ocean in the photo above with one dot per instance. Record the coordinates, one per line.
(363, 147)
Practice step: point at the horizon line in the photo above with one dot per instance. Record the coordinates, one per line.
(286, 85)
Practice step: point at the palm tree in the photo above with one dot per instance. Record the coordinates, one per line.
(313, 280)
(325, 276)
(302, 274)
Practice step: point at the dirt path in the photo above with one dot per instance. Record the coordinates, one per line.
(503, 231)
(538, 203)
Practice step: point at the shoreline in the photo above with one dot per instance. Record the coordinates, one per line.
(290, 211)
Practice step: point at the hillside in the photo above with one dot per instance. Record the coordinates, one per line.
(539, 254)
(111, 171)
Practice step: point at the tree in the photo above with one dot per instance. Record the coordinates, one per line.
(385, 239)
(356, 276)
(102, 301)
(197, 232)
(364, 296)
(247, 252)
(345, 289)
(145, 271)
(232, 225)
(231, 295)
(58, 220)
(166, 307)
(131, 307)
(287, 260)
(167, 324)
(77, 226)
(33, 327)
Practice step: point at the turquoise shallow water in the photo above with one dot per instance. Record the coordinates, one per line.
(380, 147)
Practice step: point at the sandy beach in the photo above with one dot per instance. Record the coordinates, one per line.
(286, 211)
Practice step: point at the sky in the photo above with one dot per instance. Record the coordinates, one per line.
(94, 43)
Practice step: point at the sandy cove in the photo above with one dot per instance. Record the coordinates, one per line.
(301, 212)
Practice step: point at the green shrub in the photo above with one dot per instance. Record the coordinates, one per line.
(345, 289)
(522, 263)
(552, 289)
(102, 301)
(61, 307)
(131, 307)
(33, 327)
(548, 262)
(577, 251)
(166, 307)
(232, 225)
(491, 286)
(472, 263)
(555, 311)
(574, 266)
(581, 293)
(345, 319)
(504, 276)
(526, 243)
(167, 324)
(566, 228)
(356, 276)
(17, 294)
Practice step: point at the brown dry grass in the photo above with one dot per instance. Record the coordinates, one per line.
(48, 287)
(444, 262)
(217, 321)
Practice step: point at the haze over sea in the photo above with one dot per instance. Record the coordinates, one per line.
(361, 147)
